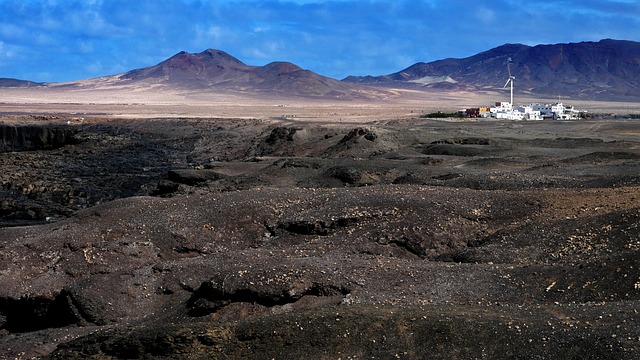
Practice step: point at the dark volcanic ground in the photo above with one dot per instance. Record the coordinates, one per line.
(414, 238)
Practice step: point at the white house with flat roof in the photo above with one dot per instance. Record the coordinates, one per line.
(505, 110)
(558, 111)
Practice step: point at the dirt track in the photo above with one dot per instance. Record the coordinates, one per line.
(407, 237)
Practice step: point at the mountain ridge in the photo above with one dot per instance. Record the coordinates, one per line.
(11, 82)
(607, 69)
(217, 70)
(184, 65)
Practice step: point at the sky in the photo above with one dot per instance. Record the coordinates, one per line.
(65, 40)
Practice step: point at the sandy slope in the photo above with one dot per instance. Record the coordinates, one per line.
(159, 101)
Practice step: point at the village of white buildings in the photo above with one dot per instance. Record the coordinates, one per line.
(505, 110)
(534, 111)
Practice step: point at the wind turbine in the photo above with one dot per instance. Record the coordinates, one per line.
(510, 80)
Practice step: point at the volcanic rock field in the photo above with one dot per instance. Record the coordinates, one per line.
(414, 238)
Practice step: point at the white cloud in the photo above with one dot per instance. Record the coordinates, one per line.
(43, 39)
(85, 47)
(270, 50)
(485, 15)
(95, 68)
(6, 51)
(11, 31)
(260, 29)
(93, 23)
(211, 37)
(335, 38)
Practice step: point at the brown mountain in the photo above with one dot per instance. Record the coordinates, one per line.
(607, 70)
(215, 69)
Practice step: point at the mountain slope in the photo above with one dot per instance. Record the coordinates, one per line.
(604, 70)
(9, 82)
(608, 69)
(201, 69)
(217, 70)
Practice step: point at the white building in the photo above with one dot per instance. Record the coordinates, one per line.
(557, 111)
(505, 110)
(529, 112)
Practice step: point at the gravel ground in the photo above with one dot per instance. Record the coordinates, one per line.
(413, 238)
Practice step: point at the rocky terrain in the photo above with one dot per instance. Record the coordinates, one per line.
(263, 238)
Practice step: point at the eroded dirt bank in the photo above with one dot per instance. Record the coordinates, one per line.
(254, 238)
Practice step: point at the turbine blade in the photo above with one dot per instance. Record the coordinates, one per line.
(507, 83)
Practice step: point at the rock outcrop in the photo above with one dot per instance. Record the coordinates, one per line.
(35, 137)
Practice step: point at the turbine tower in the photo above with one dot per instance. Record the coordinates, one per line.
(510, 80)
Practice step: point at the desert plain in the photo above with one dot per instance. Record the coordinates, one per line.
(182, 225)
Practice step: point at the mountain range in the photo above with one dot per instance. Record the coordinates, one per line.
(215, 69)
(608, 69)
(604, 70)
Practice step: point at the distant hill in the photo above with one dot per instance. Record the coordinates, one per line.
(8, 82)
(215, 69)
(603, 70)
(606, 70)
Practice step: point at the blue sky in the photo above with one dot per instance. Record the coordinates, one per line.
(62, 40)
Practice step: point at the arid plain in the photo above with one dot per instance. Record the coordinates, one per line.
(190, 225)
